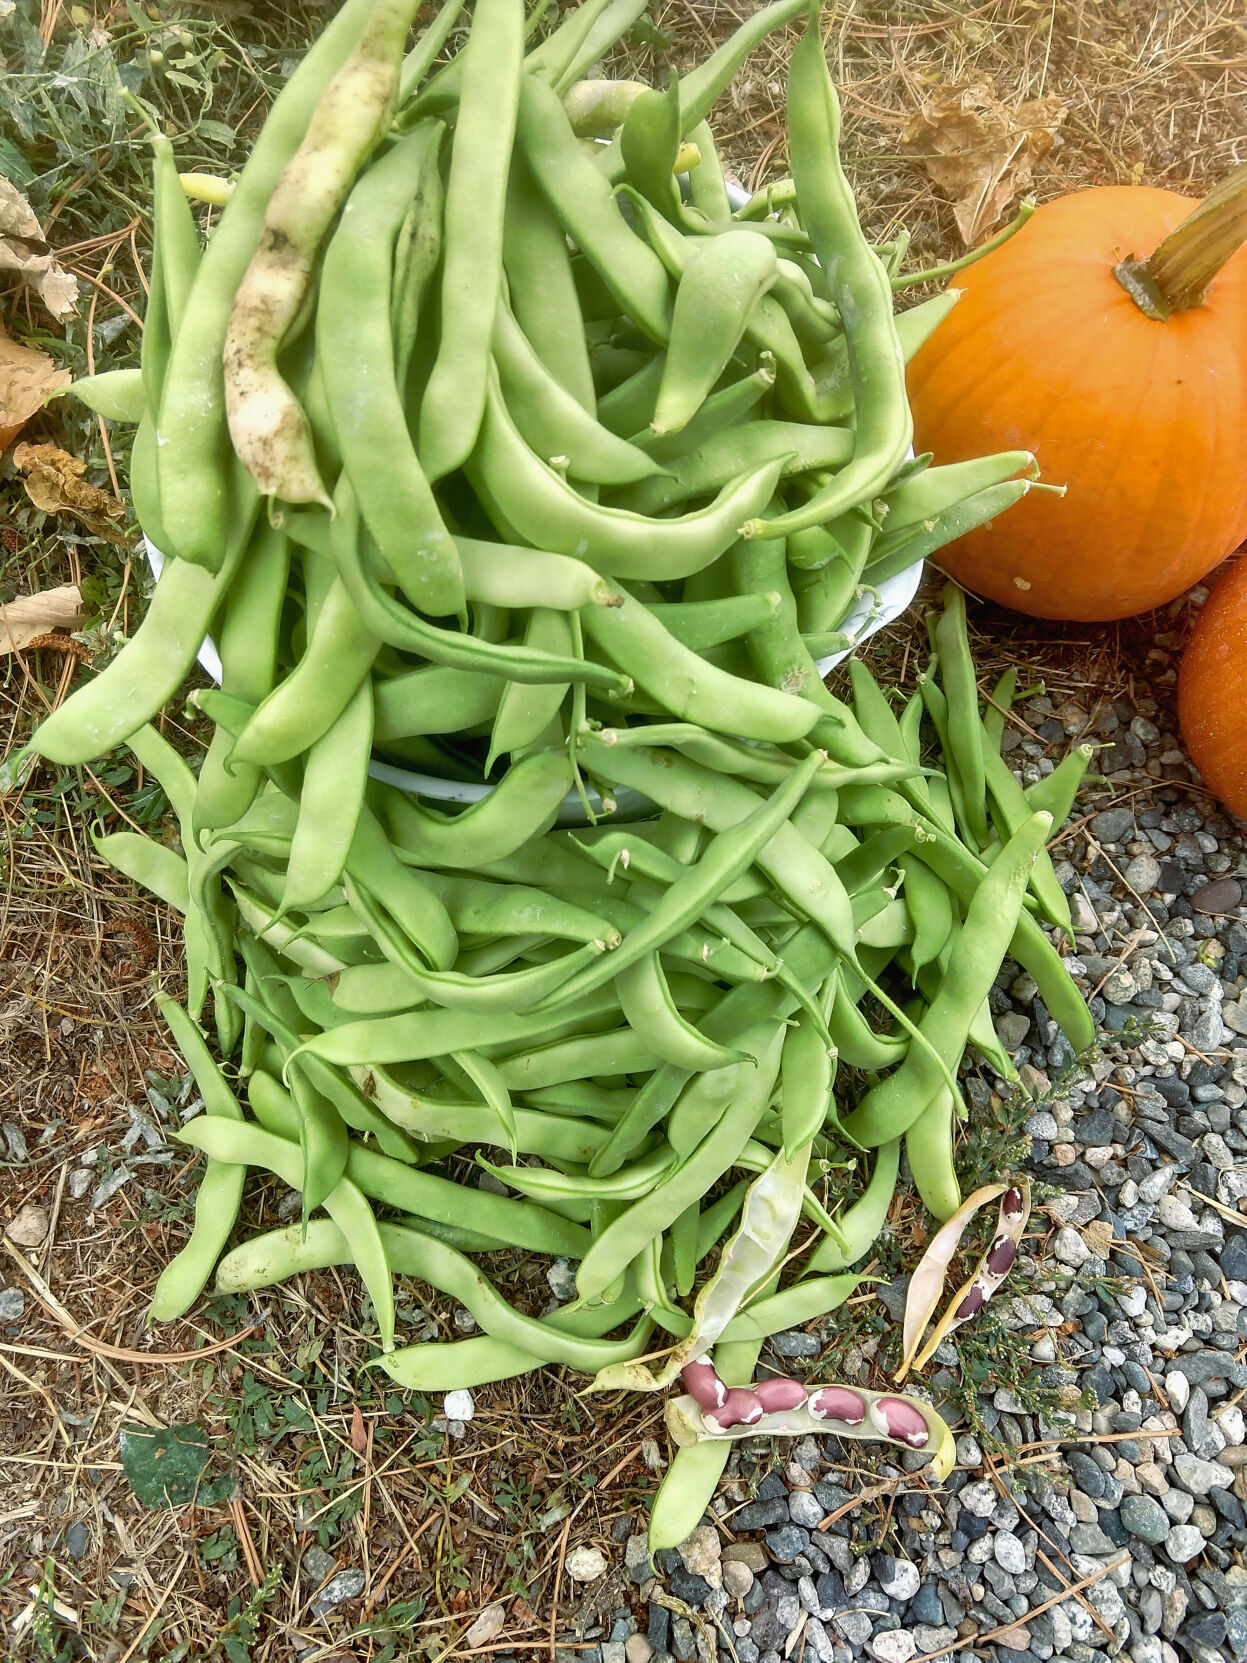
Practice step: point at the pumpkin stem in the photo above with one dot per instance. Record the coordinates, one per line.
(1176, 276)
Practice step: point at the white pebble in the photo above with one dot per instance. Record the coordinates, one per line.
(894, 1645)
(586, 1564)
(1070, 1248)
(1175, 1214)
(458, 1406)
(1233, 1427)
(1177, 1390)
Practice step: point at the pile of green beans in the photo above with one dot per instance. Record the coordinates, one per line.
(571, 476)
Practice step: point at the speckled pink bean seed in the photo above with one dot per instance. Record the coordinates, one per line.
(703, 1384)
(1004, 1251)
(740, 1407)
(838, 1403)
(973, 1301)
(901, 1420)
(779, 1394)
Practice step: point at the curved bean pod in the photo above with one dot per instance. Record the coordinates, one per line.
(524, 494)
(345, 1203)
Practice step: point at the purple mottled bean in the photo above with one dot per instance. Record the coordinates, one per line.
(740, 1407)
(1004, 1251)
(973, 1301)
(703, 1384)
(901, 1420)
(1012, 1206)
(779, 1394)
(838, 1403)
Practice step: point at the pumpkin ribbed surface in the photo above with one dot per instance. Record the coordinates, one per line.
(1145, 422)
(1212, 691)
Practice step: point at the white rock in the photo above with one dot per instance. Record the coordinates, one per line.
(586, 1564)
(979, 1498)
(1069, 1247)
(902, 1581)
(1232, 1424)
(28, 1227)
(1009, 1552)
(458, 1406)
(1183, 1542)
(1156, 1183)
(895, 1645)
(637, 1649)
(1177, 1390)
(1175, 1214)
(1217, 1151)
(488, 1626)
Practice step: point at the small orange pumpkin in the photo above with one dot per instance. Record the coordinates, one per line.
(1126, 377)
(1212, 691)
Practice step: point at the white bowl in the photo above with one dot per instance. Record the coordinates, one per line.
(866, 617)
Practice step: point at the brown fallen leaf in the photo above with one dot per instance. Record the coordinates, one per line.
(359, 1431)
(28, 378)
(23, 250)
(54, 483)
(981, 153)
(29, 618)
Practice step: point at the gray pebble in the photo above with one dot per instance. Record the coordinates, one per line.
(317, 1563)
(1111, 825)
(1145, 1518)
(1069, 1247)
(1197, 1477)
(1009, 1552)
(804, 1508)
(786, 1543)
(346, 1585)
(854, 1625)
(1183, 1542)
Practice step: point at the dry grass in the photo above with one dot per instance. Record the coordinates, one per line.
(439, 1528)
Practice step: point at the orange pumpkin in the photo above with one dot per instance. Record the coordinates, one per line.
(1143, 417)
(1212, 691)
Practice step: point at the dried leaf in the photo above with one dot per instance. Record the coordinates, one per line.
(26, 620)
(28, 378)
(55, 483)
(359, 1431)
(980, 152)
(24, 251)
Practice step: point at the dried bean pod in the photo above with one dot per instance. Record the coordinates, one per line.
(993, 1267)
(927, 1282)
(887, 1417)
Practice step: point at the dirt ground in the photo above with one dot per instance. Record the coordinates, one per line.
(335, 1474)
